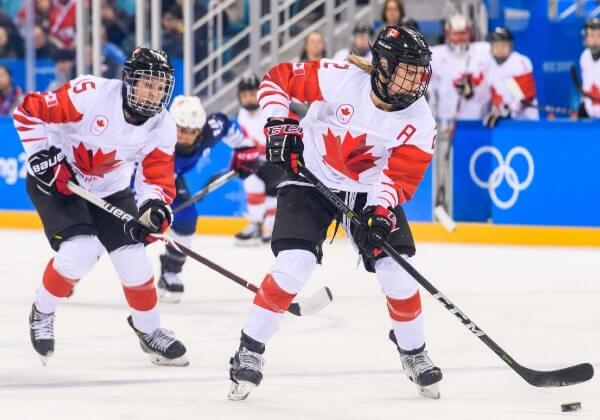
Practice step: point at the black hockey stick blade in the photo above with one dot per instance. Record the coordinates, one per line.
(554, 378)
(312, 305)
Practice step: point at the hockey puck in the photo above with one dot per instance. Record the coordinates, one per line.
(574, 406)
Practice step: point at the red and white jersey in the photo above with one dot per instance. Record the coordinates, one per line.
(517, 67)
(590, 79)
(253, 124)
(84, 118)
(448, 67)
(350, 144)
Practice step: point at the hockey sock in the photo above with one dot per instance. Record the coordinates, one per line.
(54, 287)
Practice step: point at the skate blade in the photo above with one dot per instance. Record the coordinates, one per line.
(166, 296)
(430, 391)
(159, 360)
(239, 391)
(44, 359)
(248, 242)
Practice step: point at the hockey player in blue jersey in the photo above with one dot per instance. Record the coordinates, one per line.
(197, 134)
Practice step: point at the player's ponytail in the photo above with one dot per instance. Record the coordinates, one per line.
(361, 62)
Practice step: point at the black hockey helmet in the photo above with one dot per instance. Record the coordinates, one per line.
(394, 46)
(248, 83)
(155, 68)
(500, 33)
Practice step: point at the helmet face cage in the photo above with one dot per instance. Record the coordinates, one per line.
(148, 91)
(401, 70)
(401, 84)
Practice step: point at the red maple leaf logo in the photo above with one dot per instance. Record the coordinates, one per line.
(100, 123)
(349, 157)
(345, 112)
(94, 164)
(595, 94)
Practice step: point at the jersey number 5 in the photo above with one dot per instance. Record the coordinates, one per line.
(83, 86)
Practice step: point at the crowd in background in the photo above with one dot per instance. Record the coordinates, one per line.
(54, 37)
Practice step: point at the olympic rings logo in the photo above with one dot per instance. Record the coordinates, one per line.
(503, 171)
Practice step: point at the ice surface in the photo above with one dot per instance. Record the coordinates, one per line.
(540, 304)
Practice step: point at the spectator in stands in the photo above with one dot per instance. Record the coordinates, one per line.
(10, 96)
(43, 48)
(64, 66)
(115, 22)
(360, 44)
(62, 23)
(8, 46)
(172, 23)
(394, 13)
(111, 51)
(314, 47)
(43, 9)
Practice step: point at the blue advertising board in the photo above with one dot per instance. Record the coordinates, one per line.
(532, 173)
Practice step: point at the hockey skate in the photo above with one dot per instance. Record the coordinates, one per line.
(250, 236)
(170, 288)
(419, 368)
(246, 368)
(162, 346)
(41, 330)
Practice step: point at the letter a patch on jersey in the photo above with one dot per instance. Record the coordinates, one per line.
(349, 157)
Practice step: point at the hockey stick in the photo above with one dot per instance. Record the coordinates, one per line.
(208, 188)
(561, 377)
(440, 197)
(516, 91)
(307, 306)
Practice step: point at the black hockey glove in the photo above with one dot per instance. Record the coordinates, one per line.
(284, 143)
(464, 87)
(245, 161)
(155, 217)
(51, 171)
(378, 223)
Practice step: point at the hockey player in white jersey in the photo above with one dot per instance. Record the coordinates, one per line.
(369, 135)
(590, 69)
(93, 131)
(261, 187)
(458, 91)
(458, 85)
(511, 81)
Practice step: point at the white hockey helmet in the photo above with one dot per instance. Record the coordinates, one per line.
(458, 32)
(188, 112)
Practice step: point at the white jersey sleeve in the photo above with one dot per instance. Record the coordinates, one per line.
(67, 104)
(307, 82)
(155, 178)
